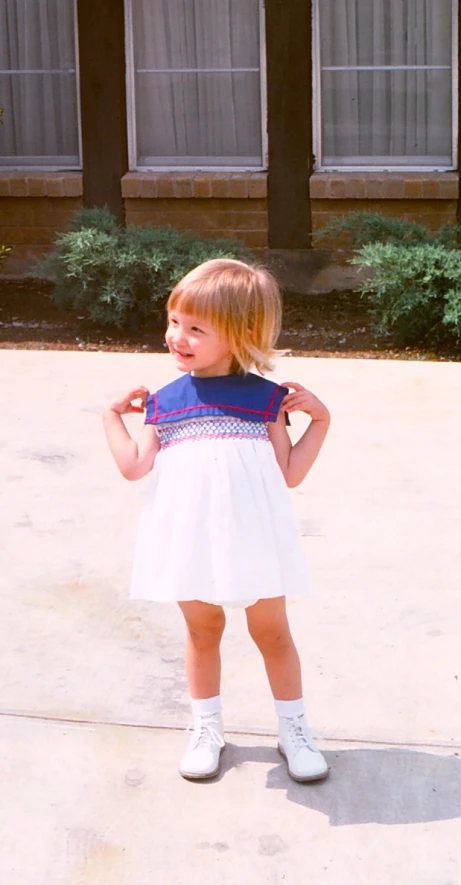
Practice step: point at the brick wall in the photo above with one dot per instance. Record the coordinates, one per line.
(429, 198)
(33, 207)
(213, 204)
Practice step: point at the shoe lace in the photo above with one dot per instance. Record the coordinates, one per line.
(300, 735)
(207, 732)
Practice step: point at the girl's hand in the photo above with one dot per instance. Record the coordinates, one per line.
(303, 400)
(124, 405)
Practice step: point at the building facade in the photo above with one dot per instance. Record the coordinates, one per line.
(261, 120)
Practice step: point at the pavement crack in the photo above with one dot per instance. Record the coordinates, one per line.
(253, 731)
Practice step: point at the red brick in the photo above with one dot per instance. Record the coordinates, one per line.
(130, 185)
(431, 189)
(56, 220)
(239, 187)
(243, 220)
(55, 187)
(449, 188)
(337, 189)
(59, 204)
(413, 189)
(18, 186)
(73, 185)
(257, 187)
(165, 188)
(356, 189)
(148, 188)
(203, 219)
(395, 189)
(139, 217)
(36, 187)
(27, 235)
(38, 235)
(182, 186)
(220, 187)
(11, 235)
(256, 238)
(317, 186)
(201, 188)
(17, 216)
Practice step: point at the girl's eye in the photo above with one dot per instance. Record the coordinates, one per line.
(196, 329)
(173, 322)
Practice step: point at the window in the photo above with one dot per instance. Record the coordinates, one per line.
(38, 84)
(386, 74)
(195, 92)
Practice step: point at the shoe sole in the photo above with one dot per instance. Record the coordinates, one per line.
(303, 780)
(202, 777)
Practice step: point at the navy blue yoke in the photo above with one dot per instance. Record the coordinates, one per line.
(248, 397)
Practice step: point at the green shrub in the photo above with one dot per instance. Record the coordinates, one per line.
(413, 288)
(414, 292)
(121, 276)
(97, 219)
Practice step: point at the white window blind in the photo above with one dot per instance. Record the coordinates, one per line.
(385, 92)
(38, 84)
(195, 94)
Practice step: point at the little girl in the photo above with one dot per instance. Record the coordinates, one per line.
(217, 528)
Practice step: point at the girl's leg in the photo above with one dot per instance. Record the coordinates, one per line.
(205, 626)
(268, 627)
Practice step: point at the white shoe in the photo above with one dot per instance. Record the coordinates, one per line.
(201, 759)
(305, 761)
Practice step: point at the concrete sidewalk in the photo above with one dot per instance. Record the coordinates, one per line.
(93, 695)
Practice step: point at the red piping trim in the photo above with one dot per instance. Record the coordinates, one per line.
(266, 413)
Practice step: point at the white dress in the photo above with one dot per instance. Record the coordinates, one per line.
(217, 524)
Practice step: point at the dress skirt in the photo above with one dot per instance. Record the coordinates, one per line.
(217, 524)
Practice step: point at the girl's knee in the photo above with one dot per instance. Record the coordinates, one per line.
(268, 624)
(270, 637)
(205, 625)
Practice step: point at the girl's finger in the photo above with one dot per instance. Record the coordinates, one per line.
(297, 399)
(293, 384)
(298, 405)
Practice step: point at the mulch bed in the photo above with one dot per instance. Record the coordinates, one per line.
(333, 325)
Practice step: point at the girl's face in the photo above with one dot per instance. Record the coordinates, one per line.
(196, 346)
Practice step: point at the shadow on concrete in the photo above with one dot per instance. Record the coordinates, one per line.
(384, 786)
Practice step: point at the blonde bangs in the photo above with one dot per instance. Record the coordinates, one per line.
(241, 302)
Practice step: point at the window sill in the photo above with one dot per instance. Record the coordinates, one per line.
(194, 185)
(384, 186)
(40, 184)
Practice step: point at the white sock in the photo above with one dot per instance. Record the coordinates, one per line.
(288, 709)
(206, 706)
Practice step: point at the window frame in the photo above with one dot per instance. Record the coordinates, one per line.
(10, 163)
(131, 108)
(388, 166)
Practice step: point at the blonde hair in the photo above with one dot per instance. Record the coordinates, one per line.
(242, 302)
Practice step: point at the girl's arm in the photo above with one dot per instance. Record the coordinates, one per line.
(295, 461)
(133, 459)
